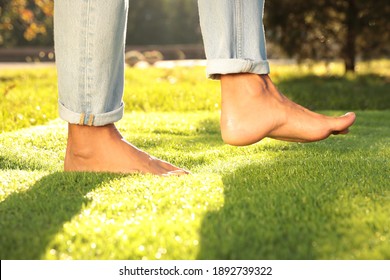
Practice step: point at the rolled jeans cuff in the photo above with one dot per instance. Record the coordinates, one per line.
(217, 67)
(89, 118)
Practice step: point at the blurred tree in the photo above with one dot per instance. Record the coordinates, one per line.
(29, 22)
(163, 22)
(183, 21)
(26, 22)
(147, 22)
(329, 29)
(315, 29)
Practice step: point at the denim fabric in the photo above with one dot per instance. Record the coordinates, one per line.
(233, 36)
(89, 46)
(90, 42)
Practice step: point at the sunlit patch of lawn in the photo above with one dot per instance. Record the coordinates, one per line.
(271, 200)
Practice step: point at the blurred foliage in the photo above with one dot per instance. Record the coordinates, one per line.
(30, 22)
(26, 22)
(329, 29)
(314, 29)
(163, 22)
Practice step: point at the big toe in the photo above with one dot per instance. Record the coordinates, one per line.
(341, 124)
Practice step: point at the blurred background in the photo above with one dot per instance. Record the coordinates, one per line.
(326, 30)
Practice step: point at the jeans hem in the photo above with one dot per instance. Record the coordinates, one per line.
(217, 67)
(90, 119)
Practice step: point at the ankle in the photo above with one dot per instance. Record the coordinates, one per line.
(246, 83)
(79, 151)
(83, 141)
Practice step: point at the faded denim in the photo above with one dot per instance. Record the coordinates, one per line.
(90, 43)
(89, 46)
(233, 36)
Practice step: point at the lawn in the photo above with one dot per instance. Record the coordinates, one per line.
(271, 200)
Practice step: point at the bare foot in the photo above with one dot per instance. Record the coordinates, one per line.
(103, 149)
(253, 108)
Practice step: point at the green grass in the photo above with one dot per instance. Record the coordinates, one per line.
(29, 97)
(271, 200)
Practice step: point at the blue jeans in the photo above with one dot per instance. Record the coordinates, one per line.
(89, 40)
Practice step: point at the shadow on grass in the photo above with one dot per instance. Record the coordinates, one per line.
(205, 132)
(185, 143)
(256, 222)
(290, 209)
(360, 92)
(29, 220)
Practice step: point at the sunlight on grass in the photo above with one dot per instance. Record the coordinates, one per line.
(142, 218)
(40, 148)
(271, 200)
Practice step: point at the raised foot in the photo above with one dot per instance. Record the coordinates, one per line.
(103, 149)
(253, 108)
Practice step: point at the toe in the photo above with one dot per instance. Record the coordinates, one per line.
(171, 168)
(341, 124)
(176, 173)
